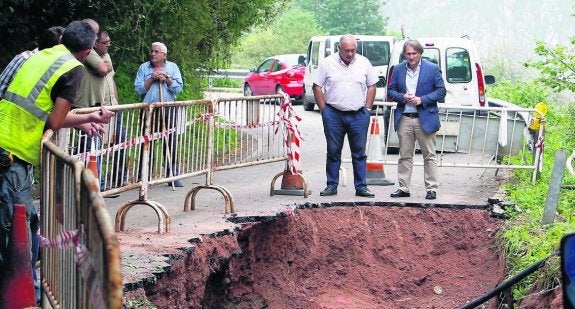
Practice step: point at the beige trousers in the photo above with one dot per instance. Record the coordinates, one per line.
(408, 132)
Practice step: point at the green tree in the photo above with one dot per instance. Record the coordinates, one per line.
(198, 33)
(341, 16)
(288, 34)
(557, 65)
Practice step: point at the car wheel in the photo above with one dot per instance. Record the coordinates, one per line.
(278, 89)
(307, 105)
(248, 90)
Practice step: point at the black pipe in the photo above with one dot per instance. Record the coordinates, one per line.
(507, 283)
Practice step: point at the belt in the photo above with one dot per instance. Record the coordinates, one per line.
(345, 112)
(411, 115)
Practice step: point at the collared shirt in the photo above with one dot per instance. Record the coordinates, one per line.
(345, 86)
(91, 92)
(153, 93)
(10, 71)
(110, 94)
(411, 79)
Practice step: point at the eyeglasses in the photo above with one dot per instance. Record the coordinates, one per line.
(107, 43)
(155, 51)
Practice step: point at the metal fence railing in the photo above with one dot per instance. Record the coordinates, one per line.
(80, 253)
(472, 137)
(163, 142)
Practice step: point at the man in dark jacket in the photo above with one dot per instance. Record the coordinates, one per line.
(416, 85)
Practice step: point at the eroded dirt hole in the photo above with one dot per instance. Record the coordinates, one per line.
(341, 257)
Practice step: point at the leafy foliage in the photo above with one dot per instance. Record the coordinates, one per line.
(341, 17)
(523, 239)
(557, 66)
(525, 94)
(289, 34)
(198, 33)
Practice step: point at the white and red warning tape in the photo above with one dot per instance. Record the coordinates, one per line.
(292, 135)
(71, 239)
(286, 115)
(540, 144)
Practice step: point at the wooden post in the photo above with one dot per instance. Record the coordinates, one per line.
(554, 187)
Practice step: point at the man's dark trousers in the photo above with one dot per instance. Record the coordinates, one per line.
(336, 124)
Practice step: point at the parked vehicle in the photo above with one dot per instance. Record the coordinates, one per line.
(464, 82)
(460, 66)
(277, 73)
(376, 48)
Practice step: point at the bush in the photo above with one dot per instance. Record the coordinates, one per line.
(523, 239)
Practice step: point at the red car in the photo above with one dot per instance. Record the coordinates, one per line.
(281, 72)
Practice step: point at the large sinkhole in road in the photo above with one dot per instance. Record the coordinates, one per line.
(342, 257)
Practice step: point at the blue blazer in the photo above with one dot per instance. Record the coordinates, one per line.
(430, 88)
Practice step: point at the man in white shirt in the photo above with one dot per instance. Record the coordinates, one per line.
(344, 90)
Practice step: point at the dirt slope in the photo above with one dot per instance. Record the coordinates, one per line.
(340, 257)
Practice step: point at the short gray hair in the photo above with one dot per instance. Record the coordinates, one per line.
(78, 36)
(162, 46)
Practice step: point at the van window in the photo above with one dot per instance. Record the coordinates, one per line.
(458, 65)
(314, 53)
(429, 54)
(328, 50)
(378, 52)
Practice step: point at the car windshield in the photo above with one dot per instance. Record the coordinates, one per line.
(376, 51)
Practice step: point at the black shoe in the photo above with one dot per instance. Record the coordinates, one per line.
(431, 195)
(400, 193)
(364, 193)
(329, 190)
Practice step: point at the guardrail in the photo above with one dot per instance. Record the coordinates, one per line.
(228, 73)
(80, 265)
(224, 73)
(165, 142)
(473, 137)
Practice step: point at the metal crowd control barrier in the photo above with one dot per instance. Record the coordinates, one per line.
(164, 142)
(80, 264)
(474, 137)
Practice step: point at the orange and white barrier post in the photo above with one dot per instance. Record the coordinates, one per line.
(93, 163)
(16, 283)
(293, 182)
(375, 169)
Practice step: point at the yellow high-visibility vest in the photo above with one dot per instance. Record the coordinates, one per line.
(27, 103)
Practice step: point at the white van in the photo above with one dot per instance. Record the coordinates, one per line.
(460, 67)
(463, 77)
(374, 47)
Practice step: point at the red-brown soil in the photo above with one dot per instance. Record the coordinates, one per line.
(340, 257)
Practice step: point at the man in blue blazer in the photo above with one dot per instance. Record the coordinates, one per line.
(416, 85)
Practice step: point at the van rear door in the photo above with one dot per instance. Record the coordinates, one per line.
(461, 71)
(315, 51)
